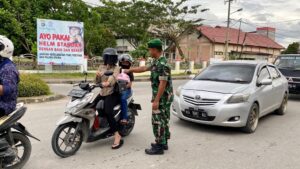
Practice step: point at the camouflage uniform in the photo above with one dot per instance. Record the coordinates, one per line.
(160, 70)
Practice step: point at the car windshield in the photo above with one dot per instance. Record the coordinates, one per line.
(231, 73)
(288, 62)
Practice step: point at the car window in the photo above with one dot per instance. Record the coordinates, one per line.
(288, 62)
(264, 74)
(231, 73)
(274, 72)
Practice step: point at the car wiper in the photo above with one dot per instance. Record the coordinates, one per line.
(210, 79)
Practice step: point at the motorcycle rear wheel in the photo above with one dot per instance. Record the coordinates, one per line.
(20, 140)
(62, 137)
(127, 129)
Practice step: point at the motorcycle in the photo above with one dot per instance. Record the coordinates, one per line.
(15, 147)
(82, 122)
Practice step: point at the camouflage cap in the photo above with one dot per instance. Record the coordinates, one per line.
(155, 43)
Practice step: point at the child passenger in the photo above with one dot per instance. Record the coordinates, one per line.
(125, 62)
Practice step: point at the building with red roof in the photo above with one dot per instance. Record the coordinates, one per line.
(209, 42)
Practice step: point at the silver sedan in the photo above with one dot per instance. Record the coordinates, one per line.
(233, 94)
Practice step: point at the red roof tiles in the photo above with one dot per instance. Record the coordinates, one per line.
(218, 35)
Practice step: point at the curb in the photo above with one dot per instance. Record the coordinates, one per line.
(40, 99)
(74, 81)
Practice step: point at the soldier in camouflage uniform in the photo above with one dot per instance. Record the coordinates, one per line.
(162, 96)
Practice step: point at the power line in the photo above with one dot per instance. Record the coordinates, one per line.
(283, 21)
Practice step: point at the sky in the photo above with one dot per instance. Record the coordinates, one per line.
(284, 15)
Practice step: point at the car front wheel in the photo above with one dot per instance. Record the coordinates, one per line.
(282, 109)
(252, 121)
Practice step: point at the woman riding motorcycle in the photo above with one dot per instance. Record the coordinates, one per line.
(108, 94)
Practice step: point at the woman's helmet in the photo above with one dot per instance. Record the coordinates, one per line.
(125, 58)
(110, 56)
(6, 47)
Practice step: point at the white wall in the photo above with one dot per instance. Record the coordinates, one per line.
(124, 42)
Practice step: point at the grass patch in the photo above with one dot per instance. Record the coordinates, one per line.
(64, 75)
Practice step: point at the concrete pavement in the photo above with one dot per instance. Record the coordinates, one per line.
(275, 144)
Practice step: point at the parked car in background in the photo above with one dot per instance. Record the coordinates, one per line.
(289, 65)
(233, 94)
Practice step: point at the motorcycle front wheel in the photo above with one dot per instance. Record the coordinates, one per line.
(65, 142)
(22, 148)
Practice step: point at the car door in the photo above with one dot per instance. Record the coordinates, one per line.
(278, 88)
(265, 92)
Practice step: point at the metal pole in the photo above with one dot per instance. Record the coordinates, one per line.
(227, 31)
(238, 40)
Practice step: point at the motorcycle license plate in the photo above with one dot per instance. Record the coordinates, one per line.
(78, 93)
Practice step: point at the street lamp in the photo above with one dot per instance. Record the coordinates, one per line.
(228, 25)
(239, 10)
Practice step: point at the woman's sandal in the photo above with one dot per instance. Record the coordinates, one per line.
(117, 146)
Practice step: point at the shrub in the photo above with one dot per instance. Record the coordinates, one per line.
(31, 85)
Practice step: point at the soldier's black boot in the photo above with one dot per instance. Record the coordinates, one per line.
(165, 146)
(156, 149)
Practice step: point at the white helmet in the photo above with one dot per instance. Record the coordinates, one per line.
(6, 47)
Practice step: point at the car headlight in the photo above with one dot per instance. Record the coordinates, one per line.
(238, 98)
(178, 91)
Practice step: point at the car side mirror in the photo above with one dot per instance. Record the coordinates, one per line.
(265, 82)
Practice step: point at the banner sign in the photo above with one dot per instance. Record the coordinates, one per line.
(59, 42)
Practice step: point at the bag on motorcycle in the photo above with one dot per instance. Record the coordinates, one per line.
(122, 85)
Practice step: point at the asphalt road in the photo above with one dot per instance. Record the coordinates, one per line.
(275, 144)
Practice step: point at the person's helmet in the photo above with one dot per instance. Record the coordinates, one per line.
(125, 58)
(110, 56)
(6, 47)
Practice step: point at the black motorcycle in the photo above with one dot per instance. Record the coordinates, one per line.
(15, 147)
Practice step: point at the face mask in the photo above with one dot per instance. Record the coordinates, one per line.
(125, 67)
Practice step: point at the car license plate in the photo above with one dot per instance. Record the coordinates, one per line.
(195, 113)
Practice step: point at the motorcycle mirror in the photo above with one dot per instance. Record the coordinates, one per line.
(85, 73)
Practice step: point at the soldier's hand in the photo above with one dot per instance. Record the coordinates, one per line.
(155, 105)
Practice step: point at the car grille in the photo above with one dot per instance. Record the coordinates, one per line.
(293, 80)
(297, 80)
(200, 102)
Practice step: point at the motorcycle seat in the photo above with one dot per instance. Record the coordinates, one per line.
(6, 121)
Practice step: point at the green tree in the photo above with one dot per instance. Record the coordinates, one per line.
(174, 21)
(293, 48)
(129, 20)
(18, 22)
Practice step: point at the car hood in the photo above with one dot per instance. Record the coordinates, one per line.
(217, 87)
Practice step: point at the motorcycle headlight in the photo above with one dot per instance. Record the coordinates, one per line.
(238, 98)
(178, 91)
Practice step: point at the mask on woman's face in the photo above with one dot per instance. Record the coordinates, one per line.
(125, 66)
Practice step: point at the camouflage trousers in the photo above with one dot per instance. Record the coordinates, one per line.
(161, 123)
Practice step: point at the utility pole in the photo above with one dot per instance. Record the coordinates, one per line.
(238, 40)
(227, 31)
(228, 26)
